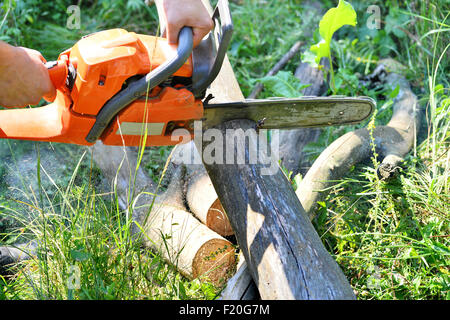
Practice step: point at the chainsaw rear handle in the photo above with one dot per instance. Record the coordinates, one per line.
(139, 88)
(57, 71)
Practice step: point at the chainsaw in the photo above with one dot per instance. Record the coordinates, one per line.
(118, 87)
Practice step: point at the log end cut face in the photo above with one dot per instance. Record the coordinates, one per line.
(214, 261)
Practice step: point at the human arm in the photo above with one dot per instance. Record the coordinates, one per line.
(24, 79)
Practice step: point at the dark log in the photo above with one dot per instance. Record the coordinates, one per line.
(283, 252)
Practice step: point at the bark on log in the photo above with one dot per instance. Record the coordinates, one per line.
(163, 224)
(284, 254)
(393, 142)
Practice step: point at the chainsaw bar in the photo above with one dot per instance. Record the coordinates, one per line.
(290, 113)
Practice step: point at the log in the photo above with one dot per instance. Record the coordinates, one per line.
(284, 254)
(393, 141)
(162, 222)
(12, 255)
(186, 243)
(202, 200)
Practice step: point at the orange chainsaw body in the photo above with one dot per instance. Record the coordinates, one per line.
(105, 61)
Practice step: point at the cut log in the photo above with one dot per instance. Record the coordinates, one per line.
(186, 243)
(393, 142)
(162, 222)
(118, 165)
(202, 200)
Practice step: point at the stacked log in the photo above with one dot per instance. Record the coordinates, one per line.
(203, 201)
(161, 221)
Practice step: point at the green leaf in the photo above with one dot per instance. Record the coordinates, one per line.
(394, 92)
(29, 18)
(283, 84)
(333, 20)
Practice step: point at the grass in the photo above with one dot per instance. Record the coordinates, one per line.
(391, 238)
(85, 247)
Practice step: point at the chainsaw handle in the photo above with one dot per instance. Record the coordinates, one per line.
(139, 88)
(57, 70)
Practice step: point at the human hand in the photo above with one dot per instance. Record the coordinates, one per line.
(24, 79)
(191, 13)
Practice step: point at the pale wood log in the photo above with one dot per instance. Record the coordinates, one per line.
(202, 200)
(118, 165)
(185, 242)
(393, 141)
(161, 222)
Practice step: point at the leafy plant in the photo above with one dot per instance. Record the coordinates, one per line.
(333, 20)
(283, 84)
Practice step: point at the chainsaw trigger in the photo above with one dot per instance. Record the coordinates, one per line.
(208, 98)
